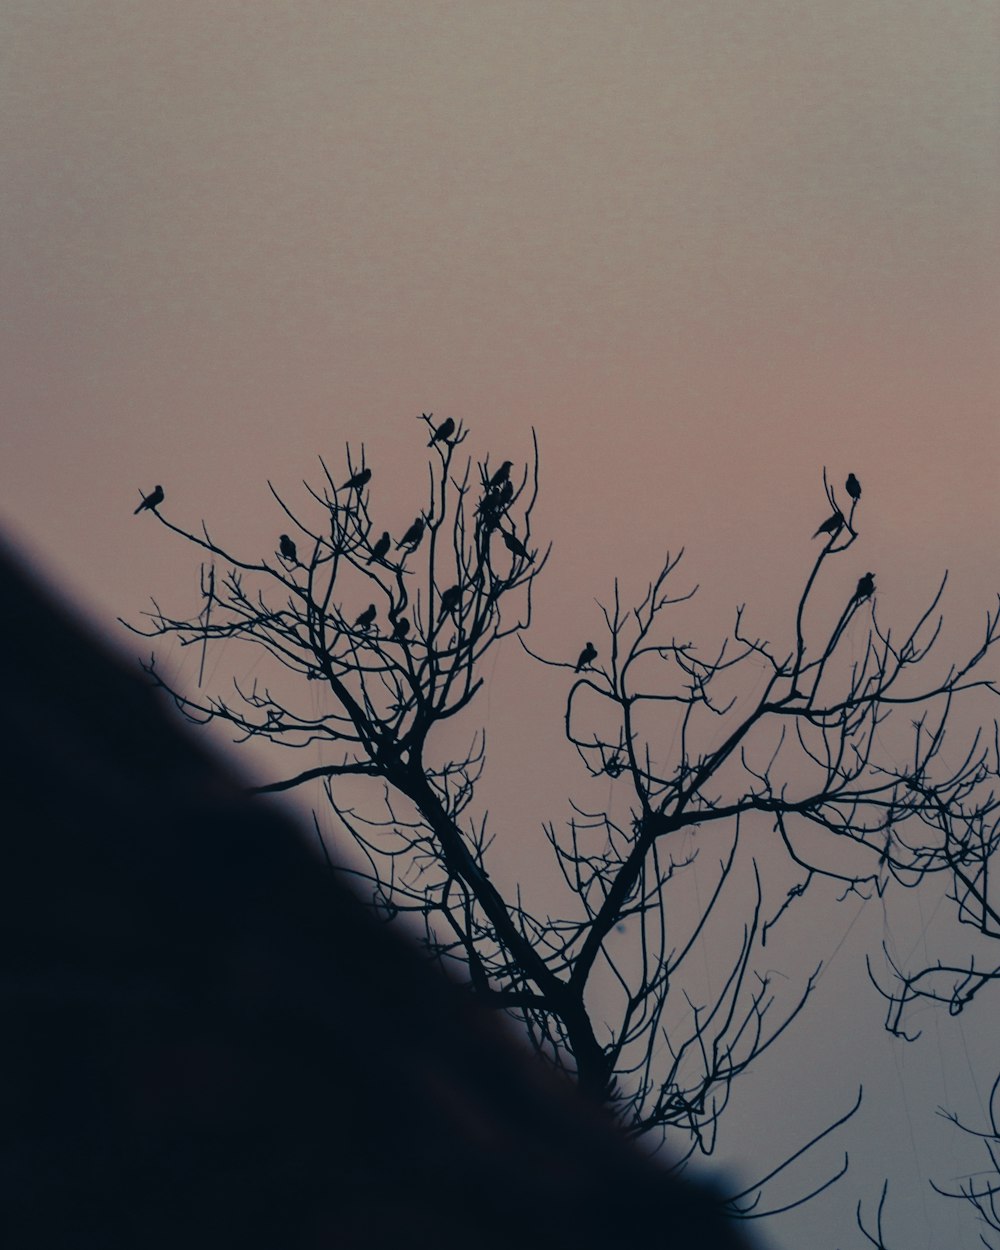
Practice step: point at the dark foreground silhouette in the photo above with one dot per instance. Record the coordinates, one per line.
(210, 1043)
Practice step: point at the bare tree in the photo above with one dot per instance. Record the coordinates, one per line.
(876, 1238)
(697, 746)
(960, 840)
(982, 1189)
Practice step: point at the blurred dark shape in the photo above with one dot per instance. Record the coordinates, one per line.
(381, 548)
(413, 535)
(210, 1043)
(150, 501)
(587, 656)
(288, 549)
(364, 621)
(866, 587)
(833, 525)
(853, 487)
(401, 629)
(358, 481)
(443, 432)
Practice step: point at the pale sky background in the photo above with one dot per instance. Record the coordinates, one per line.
(703, 247)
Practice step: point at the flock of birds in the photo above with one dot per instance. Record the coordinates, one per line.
(835, 523)
(499, 493)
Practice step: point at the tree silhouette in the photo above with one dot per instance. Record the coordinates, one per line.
(961, 836)
(981, 1189)
(185, 990)
(701, 748)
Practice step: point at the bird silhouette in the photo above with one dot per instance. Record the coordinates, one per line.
(401, 629)
(514, 545)
(501, 475)
(587, 656)
(381, 548)
(150, 501)
(364, 621)
(358, 481)
(287, 548)
(833, 525)
(866, 587)
(489, 509)
(413, 535)
(489, 518)
(450, 599)
(506, 494)
(443, 432)
(853, 487)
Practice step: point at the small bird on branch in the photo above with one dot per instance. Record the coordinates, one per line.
(489, 517)
(364, 621)
(359, 481)
(515, 546)
(381, 548)
(587, 656)
(493, 505)
(443, 432)
(501, 475)
(288, 550)
(401, 629)
(450, 599)
(150, 501)
(413, 535)
(853, 487)
(866, 587)
(833, 525)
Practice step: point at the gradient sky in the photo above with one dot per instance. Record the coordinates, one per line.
(703, 247)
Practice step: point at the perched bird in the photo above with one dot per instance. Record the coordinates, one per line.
(493, 505)
(413, 535)
(358, 481)
(866, 587)
(501, 475)
(152, 500)
(833, 525)
(443, 432)
(853, 487)
(450, 599)
(364, 621)
(489, 517)
(381, 548)
(587, 656)
(287, 548)
(401, 629)
(514, 545)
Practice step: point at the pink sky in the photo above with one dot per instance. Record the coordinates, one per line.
(704, 248)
